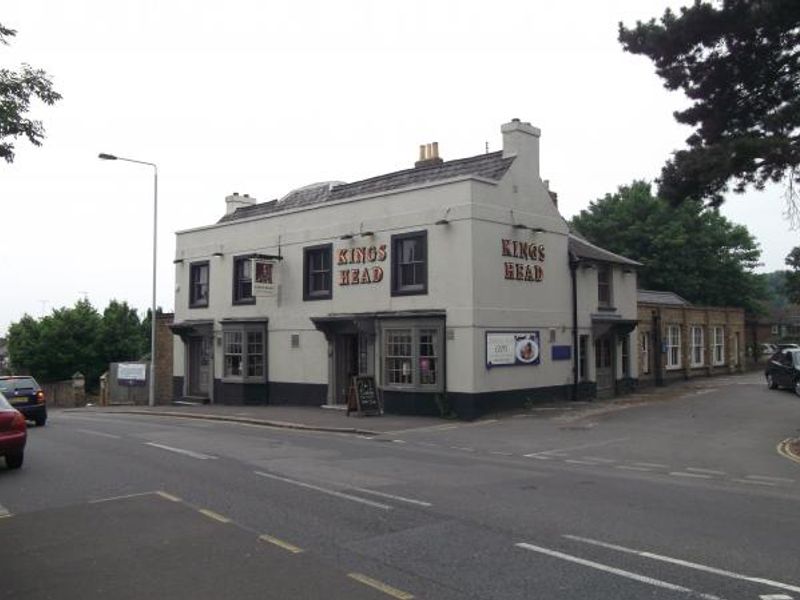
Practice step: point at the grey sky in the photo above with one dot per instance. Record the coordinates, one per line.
(261, 97)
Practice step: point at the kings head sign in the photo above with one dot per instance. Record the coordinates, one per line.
(527, 256)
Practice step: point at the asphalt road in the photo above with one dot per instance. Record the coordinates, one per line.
(686, 497)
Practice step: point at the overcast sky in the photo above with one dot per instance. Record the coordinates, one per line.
(263, 97)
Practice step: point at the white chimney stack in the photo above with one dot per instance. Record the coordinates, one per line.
(235, 201)
(522, 140)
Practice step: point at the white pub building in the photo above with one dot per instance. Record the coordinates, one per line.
(456, 285)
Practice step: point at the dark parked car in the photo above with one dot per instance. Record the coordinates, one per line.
(783, 370)
(26, 396)
(13, 434)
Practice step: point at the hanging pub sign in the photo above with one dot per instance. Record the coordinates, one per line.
(265, 276)
(528, 255)
(512, 348)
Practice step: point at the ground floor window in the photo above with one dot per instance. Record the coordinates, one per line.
(698, 347)
(645, 352)
(583, 346)
(244, 351)
(412, 355)
(673, 347)
(719, 345)
(625, 357)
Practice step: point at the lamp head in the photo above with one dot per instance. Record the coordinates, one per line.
(105, 156)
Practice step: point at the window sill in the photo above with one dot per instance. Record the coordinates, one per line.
(244, 380)
(204, 305)
(411, 292)
(675, 368)
(244, 302)
(313, 297)
(607, 308)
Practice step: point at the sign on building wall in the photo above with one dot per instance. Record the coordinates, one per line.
(361, 265)
(265, 277)
(527, 266)
(512, 348)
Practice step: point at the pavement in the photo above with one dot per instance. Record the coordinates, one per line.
(336, 420)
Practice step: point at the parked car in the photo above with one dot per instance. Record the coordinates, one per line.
(783, 370)
(768, 349)
(13, 434)
(26, 396)
(787, 346)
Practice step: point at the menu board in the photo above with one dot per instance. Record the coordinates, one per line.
(512, 348)
(364, 396)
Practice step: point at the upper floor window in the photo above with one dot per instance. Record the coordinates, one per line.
(410, 263)
(318, 272)
(243, 280)
(604, 285)
(198, 284)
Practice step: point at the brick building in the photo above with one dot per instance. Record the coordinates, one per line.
(677, 340)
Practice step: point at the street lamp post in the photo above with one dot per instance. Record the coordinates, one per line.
(151, 398)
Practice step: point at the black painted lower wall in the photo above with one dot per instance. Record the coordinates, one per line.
(240, 393)
(298, 394)
(471, 406)
(177, 388)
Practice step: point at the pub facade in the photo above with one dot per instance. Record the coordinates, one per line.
(456, 285)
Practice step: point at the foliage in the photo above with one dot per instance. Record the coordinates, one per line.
(687, 249)
(74, 339)
(739, 64)
(792, 284)
(17, 88)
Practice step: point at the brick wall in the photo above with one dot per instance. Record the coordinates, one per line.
(163, 390)
(654, 320)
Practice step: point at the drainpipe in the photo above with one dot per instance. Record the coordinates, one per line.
(657, 354)
(573, 268)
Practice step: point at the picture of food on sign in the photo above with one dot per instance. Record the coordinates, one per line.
(527, 348)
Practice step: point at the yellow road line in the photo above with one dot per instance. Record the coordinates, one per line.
(386, 589)
(168, 496)
(212, 515)
(783, 450)
(280, 543)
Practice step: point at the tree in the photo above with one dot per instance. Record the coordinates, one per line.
(120, 337)
(687, 249)
(792, 281)
(17, 88)
(739, 63)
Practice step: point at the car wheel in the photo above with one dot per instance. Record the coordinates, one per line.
(40, 421)
(14, 461)
(771, 382)
(797, 386)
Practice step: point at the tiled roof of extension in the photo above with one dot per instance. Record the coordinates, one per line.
(489, 166)
(582, 248)
(656, 297)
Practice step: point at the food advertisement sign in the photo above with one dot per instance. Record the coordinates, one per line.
(512, 348)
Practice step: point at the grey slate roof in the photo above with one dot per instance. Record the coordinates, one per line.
(582, 248)
(489, 166)
(656, 297)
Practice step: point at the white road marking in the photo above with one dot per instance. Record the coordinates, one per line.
(686, 563)
(616, 571)
(198, 455)
(764, 478)
(538, 456)
(653, 465)
(775, 597)
(4, 512)
(325, 490)
(123, 497)
(706, 471)
(463, 449)
(756, 482)
(581, 447)
(599, 460)
(496, 453)
(393, 497)
(694, 475)
(399, 441)
(633, 468)
(576, 461)
(100, 434)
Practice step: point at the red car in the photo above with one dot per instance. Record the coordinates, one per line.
(13, 434)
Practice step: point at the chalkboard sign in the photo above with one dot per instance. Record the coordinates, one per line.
(364, 396)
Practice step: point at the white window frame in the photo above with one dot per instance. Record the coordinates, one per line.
(673, 347)
(245, 331)
(697, 353)
(718, 356)
(415, 328)
(644, 345)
